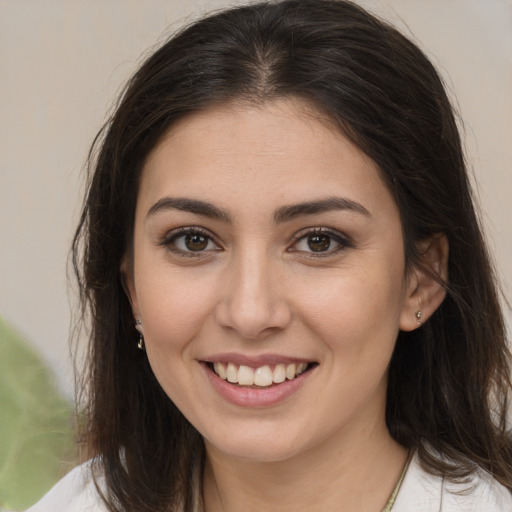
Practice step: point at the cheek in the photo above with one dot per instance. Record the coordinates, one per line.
(174, 306)
(356, 310)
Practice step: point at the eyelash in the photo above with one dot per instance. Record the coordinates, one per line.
(170, 241)
(343, 242)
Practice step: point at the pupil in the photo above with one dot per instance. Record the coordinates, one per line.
(196, 242)
(319, 243)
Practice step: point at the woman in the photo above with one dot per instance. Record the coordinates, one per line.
(292, 305)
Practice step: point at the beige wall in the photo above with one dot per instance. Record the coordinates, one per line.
(61, 63)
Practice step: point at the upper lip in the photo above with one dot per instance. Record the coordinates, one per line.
(254, 361)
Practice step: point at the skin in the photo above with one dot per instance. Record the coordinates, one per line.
(256, 287)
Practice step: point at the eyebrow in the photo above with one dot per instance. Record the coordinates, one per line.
(287, 213)
(282, 214)
(189, 205)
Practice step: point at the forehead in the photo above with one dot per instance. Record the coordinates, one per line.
(283, 149)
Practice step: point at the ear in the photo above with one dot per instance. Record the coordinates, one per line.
(425, 290)
(128, 282)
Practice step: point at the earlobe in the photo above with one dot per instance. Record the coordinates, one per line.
(426, 287)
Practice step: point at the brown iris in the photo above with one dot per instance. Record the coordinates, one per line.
(319, 243)
(196, 242)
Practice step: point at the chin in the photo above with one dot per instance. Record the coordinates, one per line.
(256, 448)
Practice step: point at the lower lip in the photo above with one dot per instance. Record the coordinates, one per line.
(254, 397)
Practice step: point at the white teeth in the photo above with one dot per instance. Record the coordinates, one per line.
(246, 377)
(300, 368)
(232, 373)
(291, 371)
(279, 374)
(220, 370)
(263, 376)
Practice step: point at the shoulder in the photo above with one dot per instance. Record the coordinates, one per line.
(430, 493)
(76, 492)
(482, 492)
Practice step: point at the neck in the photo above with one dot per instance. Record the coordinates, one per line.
(352, 476)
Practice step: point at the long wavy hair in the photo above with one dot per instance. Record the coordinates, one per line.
(448, 380)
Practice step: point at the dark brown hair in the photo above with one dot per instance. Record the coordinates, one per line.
(448, 380)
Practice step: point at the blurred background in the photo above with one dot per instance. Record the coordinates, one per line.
(61, 64)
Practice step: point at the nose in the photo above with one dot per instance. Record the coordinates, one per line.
(253, 302)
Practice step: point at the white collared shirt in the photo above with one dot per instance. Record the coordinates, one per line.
(420, 492)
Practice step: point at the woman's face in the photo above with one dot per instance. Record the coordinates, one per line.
(268, 273)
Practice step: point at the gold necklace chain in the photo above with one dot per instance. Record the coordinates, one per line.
(394, 494)
(389, 505)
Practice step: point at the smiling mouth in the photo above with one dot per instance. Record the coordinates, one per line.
(261, 377)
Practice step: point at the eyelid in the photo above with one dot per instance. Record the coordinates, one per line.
(340, 238)
(170, 237)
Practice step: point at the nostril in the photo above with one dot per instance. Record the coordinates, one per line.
(253, 319)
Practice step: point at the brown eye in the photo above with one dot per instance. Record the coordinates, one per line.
(196, 242)
(190, 241)
(319, 242)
